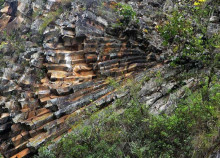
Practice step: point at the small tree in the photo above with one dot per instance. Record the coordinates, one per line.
(127, 12)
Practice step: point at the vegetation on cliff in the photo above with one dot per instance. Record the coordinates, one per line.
(129, 79)
(190, 130)
(186, 32)
(127, 129)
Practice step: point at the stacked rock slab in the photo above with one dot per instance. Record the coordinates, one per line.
(78, 56)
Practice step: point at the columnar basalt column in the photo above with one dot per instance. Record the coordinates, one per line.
(80, 50)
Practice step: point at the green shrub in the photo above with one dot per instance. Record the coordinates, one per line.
(127, 12)
(113, 82)
(185, 32)
(13, 41)
(45, 153)
(173, 135)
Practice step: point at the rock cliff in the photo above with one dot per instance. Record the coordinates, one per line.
(56, 67)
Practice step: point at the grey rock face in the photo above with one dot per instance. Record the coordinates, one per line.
(213, 28)
(168, 6)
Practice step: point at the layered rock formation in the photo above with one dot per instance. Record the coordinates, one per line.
(62, 76)
(79, 51)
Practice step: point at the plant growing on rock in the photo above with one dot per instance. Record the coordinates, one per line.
(13, 41)
(186, 32)
(11, 44)
(52, 16)
(128, 130)
(127, 12)
(40, 74)
(1, 3)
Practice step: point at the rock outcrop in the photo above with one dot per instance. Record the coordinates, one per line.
(57, 79)
(79, 51)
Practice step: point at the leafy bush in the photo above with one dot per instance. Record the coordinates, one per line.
(45, 153)
(185, 31)
(173, 135)
(13, 41)
(127, 12)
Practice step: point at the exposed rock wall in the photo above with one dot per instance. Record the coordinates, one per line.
(61, 74)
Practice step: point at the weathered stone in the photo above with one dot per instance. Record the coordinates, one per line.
(168, 6)
(214, 19)
(20, 117)
(68, 108)
(39, 121)
(4, 118)
(76, 53)
(22, 153)
(5, 127)
(4, 20)
(22, 137)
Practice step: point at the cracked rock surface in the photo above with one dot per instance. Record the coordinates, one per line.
(61, 73)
